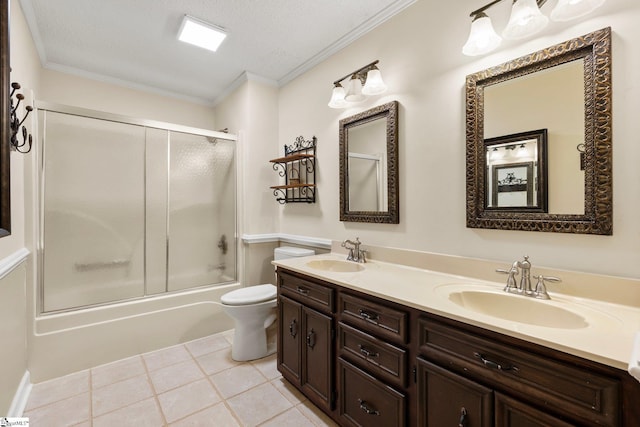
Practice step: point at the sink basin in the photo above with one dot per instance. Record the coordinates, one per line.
(518, 308)
(335, 265)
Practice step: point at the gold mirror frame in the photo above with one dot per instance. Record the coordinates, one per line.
(5, 133)
(595, 50)
(388, 112)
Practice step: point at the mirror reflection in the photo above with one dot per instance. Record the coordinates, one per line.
(368, 166)
(562, 93)
(516, 175)
(553, 99)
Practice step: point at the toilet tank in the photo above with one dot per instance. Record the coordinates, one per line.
(284, 252)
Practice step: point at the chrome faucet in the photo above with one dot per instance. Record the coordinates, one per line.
(525, 279)
(355, 253)
(524, 287)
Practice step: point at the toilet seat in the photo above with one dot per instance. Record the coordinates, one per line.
(250, 295)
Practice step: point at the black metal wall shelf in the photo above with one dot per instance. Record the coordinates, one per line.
(298, 167)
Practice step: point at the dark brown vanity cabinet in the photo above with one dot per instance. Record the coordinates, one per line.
(372, 362)
(392, 365)
(502, 381)
(306, 338)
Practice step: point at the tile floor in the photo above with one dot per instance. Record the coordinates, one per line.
(192, 384)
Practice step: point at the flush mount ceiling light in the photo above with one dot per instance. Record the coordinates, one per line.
(525, 20)
(373, 85)
(200, 33)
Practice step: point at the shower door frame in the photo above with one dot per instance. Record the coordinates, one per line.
(43, 106)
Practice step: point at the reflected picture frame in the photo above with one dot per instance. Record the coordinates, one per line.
(536, 187)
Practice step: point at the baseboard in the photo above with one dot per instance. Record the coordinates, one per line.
(21, 397)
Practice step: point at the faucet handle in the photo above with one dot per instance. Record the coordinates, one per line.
(511, 280)
(541, 289)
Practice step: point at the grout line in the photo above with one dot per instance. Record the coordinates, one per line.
(223, 400)
(91, 397)
(153, 390)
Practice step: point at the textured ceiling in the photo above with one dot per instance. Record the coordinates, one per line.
(133, 42)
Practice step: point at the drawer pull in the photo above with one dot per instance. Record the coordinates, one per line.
(463, 418)
(367, 353)
(366, 409)
(494, 365)
(293, 328)
(369, 316)
(303, 291)
(311, 339)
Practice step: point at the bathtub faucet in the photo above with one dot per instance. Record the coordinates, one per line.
(222, 244)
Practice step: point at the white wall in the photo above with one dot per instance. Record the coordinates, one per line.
(13, 287)
(419, 53)
(82, 92)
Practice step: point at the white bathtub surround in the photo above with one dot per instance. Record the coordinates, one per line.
(416, 279)
(69, 342)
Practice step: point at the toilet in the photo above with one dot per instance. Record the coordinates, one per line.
(253, 310)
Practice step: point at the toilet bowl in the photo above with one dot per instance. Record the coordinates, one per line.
(253, 310)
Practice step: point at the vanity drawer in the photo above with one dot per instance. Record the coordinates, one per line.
(383, 360)
(309, 293)
(365, 401)
(549, 384)
(380, 320)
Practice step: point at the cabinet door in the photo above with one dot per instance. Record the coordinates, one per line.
(367, 402)
(446, 399)
(289, 341)
(317, 357)
(513, 413)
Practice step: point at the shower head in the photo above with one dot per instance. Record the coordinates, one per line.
(214, 140)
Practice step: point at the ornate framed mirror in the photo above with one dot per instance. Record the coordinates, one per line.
(564, 91)
(5, 133)
(369, 166)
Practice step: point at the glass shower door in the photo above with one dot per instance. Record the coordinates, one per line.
(93, 211)
(202, 202)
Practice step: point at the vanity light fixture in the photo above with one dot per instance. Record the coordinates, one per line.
(201, 33)
(364, 82)
(525, 20)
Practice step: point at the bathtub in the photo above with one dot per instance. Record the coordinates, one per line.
(68, 342)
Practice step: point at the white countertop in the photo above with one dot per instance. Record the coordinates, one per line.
(607, 338)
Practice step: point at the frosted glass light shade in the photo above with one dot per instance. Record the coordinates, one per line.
(374, 84)
(200, 33)
(337, 97)
(482, 37)
(525, 20)
(567, 10)
(354, 90)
